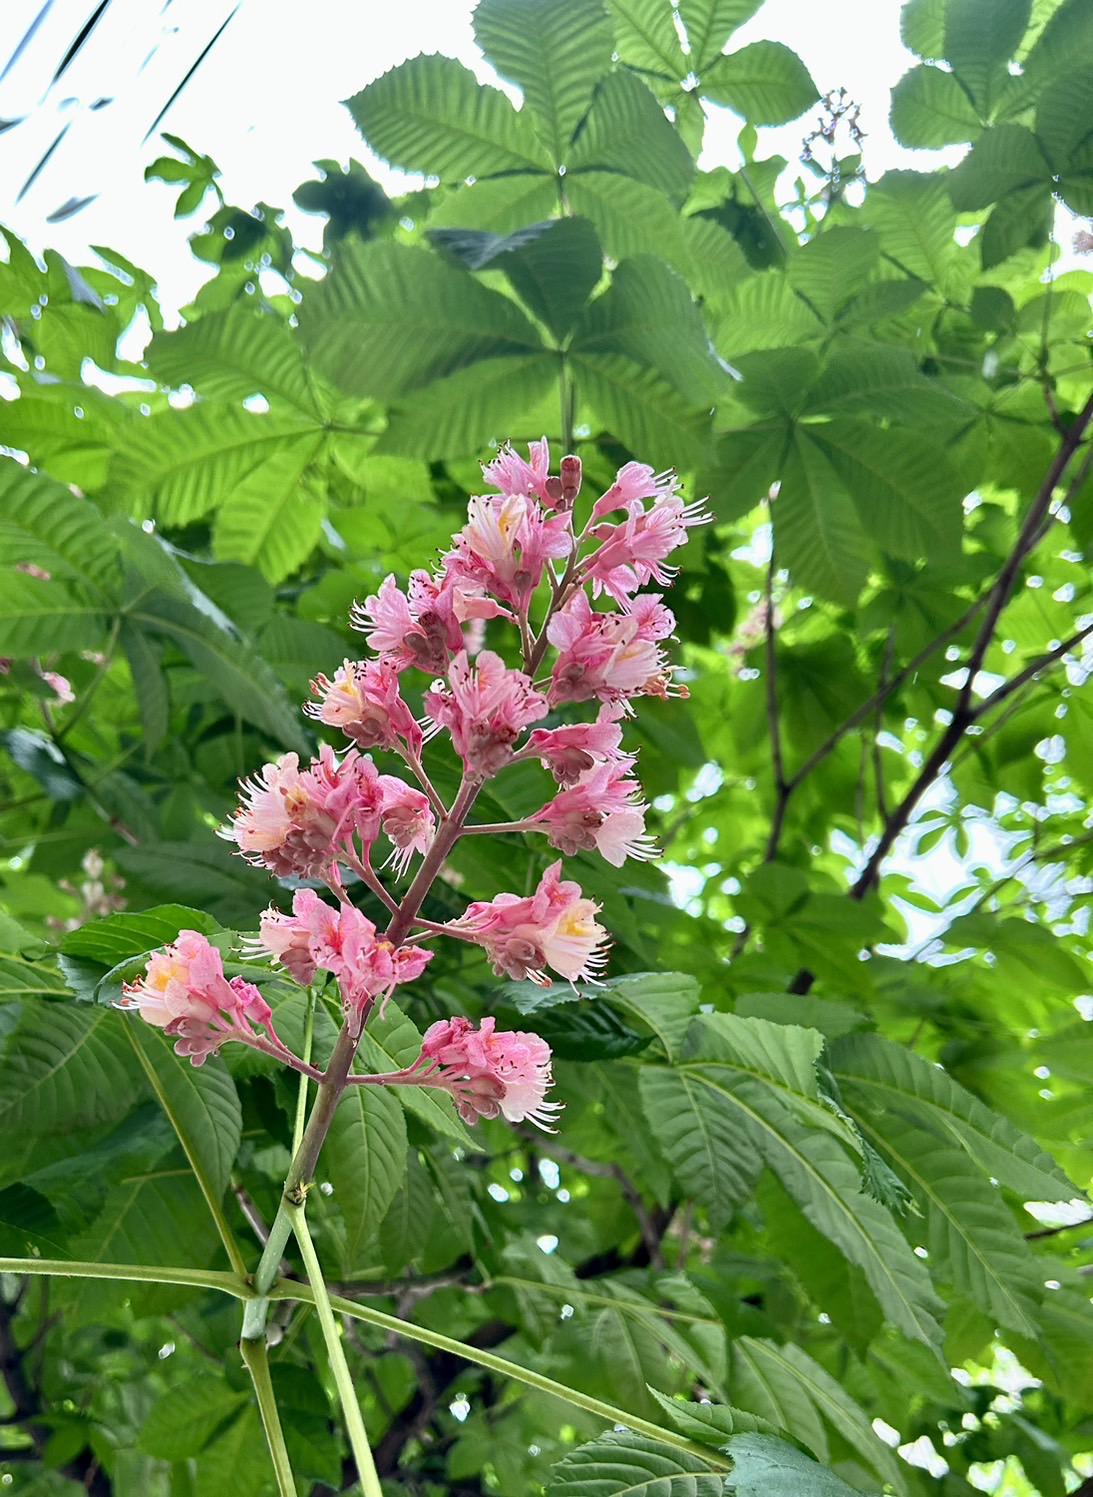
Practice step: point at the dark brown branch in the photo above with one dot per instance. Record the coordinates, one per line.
(1086, 1221)
(965, 714)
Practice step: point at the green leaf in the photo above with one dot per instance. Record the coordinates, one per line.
(235, 354)
(1018, 220)
(626, 131)
(242, 678)
(272, 520)
(980, 38)
(886, 1076)
(792, 1391)
(917, 224)
(69, 430)
(709, 1423)
(553, 266)
(762, 313)
(620, 1462)
(765, 82)
(45, 618)
(822, 270)
(639, 407)
(556, 53)
(184, 1420)
(972, 1237)
(111, 939)
(149, 687)
(201, 1102)
(648, 316)
(463, 413)
(666, 1001)
(763, 1467)
(501, 205)
(38, 755)
(29, 1224)
(907, 494)
(930, 108)
(710, 23)
(390, 318)
(710, 1148)
(817, 529)
(631, 218)
(44, 523)
(185, 463)
(66, 1070)
(404, 1231)
(365, 1161)
(431, 115)
(1004, 159)
(1063, 114)
(646, 38)
(922, 27)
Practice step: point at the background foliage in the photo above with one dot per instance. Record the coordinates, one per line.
(804, 1116)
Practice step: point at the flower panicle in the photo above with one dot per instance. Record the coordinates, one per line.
(583, 629)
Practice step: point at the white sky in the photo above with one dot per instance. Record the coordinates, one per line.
(265, 103)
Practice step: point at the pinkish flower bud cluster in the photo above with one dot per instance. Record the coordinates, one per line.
(581, 630)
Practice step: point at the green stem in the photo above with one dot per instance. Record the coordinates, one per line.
(354, 1423)
(301, 1095)
(505, 1368)
(194, 1278)
(257, 1360)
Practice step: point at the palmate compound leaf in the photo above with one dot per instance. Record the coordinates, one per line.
(556, 53)
(390, 318)
(431, 115)
(879, 1076)
(621, 1462)
(639, 407)
(463, 413)
(648, 315)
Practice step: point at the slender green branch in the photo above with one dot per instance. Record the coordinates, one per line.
(212, 1201)
(347, 1394)
(193, 1278)
(257, 1360)
(504, 1368)
(301, 1096)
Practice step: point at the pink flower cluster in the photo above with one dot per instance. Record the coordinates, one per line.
(489, 1074)
(584, 631)
(316, 936)
(184, 992)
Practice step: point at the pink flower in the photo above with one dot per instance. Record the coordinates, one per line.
(554, 927)
(632, 553)
(636, 481)
(364, 701)
(62, 689)
(418, 628)
(184, 992)
(298, 822)
(602, 812)
(608, 655)
(318, 936)
(569, 751)
(484, 707)
(407, 820)
(506, 544)
(490, 1074)
(512, 475)
(31, 569)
